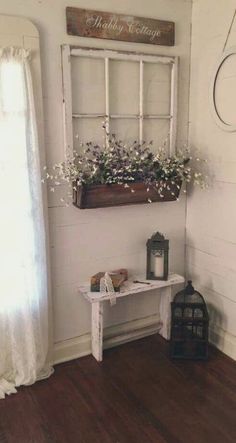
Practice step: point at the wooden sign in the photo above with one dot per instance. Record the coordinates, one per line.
(86, 23)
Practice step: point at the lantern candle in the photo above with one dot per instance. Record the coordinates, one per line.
(158, 265)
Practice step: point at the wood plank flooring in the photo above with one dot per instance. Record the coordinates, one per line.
(136, 395)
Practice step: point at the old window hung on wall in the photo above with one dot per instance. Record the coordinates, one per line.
(135, 94)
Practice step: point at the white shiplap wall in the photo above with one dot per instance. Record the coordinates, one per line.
(211, 215)
(84, 242)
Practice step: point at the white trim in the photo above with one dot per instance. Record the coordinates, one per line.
(223, 340)
(158, 117)
(133, 116)
(67, 99)
(107, 55)
(88, 115)
(141, 101)
(133, 330)
(173, 106)
(114, 55)
(107, 98)
(72, 348)
(114, 335)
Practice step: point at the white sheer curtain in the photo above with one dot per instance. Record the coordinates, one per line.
(24, 300)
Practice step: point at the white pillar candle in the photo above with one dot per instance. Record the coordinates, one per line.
(159, 266)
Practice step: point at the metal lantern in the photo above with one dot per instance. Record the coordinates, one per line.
(157, 257)
(189, 325)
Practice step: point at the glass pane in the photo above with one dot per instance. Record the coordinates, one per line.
(88, 85)
(86, 130)
(156, 89)
(125, 129)
(156, 131)
(124, 87)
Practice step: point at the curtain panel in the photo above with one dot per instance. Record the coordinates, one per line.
(24, 288)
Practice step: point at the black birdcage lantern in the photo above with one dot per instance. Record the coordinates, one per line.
(157, 257)
(189, 325)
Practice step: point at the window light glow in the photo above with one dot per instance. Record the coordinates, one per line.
(16, 228)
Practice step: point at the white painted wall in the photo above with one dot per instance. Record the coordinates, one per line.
(211, 216)
(84, 242)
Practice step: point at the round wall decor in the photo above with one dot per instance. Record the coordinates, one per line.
(223, 91)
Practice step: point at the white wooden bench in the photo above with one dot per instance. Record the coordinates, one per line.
(97, 299)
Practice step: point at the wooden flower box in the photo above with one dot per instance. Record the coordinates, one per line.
(101, 196)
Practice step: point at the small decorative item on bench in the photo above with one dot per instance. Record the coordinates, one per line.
(121, 271)
(106, 285)
(118, 277)
(189, 325)
(157, 257)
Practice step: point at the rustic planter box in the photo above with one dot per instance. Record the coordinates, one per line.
(101, 196)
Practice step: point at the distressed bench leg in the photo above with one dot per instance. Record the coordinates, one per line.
(165, 312)
(97, 330)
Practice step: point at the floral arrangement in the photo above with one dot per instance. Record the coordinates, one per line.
(118, 163)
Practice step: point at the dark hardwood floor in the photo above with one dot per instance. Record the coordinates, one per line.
(137, 395)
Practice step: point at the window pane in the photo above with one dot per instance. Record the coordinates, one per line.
(88, 129)
(88, 85)
(156, 131)
(125, 129)
(156, 89)
(124, 87)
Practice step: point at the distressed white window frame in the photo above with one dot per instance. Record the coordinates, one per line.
(107, 55)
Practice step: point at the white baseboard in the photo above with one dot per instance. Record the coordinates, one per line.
(133, 330)
(72, 348)
(223, 340)
(113, 336)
